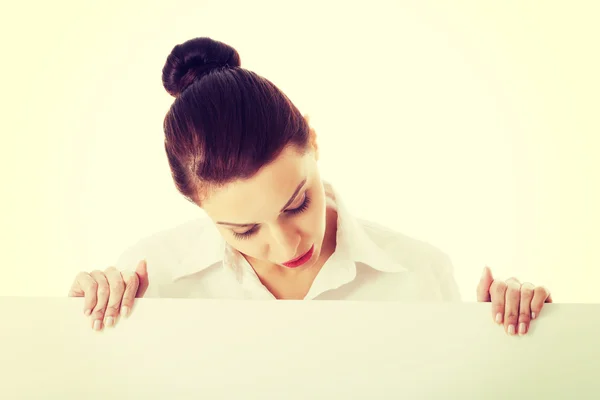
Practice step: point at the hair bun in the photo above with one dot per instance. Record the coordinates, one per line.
(193, 59)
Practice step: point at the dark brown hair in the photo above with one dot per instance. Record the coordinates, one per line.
(226, 122)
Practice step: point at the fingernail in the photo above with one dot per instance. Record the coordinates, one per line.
(109, 321)
(533, 315)
(511, 329)
(87, 312)
(499, 318)
(125, 311)
(97, 325)
(522, 328)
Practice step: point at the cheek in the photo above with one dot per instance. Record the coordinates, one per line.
(312, 221)
(249, 247)
(252, 247)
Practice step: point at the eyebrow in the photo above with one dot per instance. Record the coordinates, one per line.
(290, 201)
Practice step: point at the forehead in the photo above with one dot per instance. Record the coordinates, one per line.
(261, 196)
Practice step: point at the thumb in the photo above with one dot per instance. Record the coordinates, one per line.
(483, 289)
(142, 272)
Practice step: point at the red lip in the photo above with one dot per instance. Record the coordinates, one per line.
(300, 260)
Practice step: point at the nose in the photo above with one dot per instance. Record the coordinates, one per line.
(286, 240)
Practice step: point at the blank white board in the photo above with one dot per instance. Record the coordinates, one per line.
(204, 349)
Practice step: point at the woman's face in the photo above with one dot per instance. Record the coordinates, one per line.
(276, 216)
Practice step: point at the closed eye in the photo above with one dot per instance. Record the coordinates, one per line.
(247, 234)
(302, 206)
(294, 211)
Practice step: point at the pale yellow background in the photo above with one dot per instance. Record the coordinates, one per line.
(471, 125)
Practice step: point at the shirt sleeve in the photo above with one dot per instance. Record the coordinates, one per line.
(447, 282)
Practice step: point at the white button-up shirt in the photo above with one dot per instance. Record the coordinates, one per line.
(370, 262)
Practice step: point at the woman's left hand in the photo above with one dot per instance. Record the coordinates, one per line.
(513, 304)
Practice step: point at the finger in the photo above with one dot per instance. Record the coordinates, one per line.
(513, 279)
(540, 296)
(102, 293)
(483, 289)
(76, 290)
(142, 273)
(131, 287)
(525, 307)
(116, 289)
(511, 308)
(498, 292)
(85, 286)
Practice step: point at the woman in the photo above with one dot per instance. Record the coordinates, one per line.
(239, 149)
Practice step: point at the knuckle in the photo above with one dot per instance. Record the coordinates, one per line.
(81, 274)
(499, 309)
(499, 288)
(119, 286)
(99, 312)
(103, 290)
(514, 298)
(129, 278)
(132, 286)
(542, 290)
(128, 293)
(126, 301)
(112, 310)
(513, 293)
(511, 313)
(528, 286)
(526, 293)
(513, 286)
(524, 317)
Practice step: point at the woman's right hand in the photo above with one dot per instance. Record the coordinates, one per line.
(109, 293)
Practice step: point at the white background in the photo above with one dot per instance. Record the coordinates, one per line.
(473, 126)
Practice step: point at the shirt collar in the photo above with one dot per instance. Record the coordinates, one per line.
(208, 248)
(355, 243)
